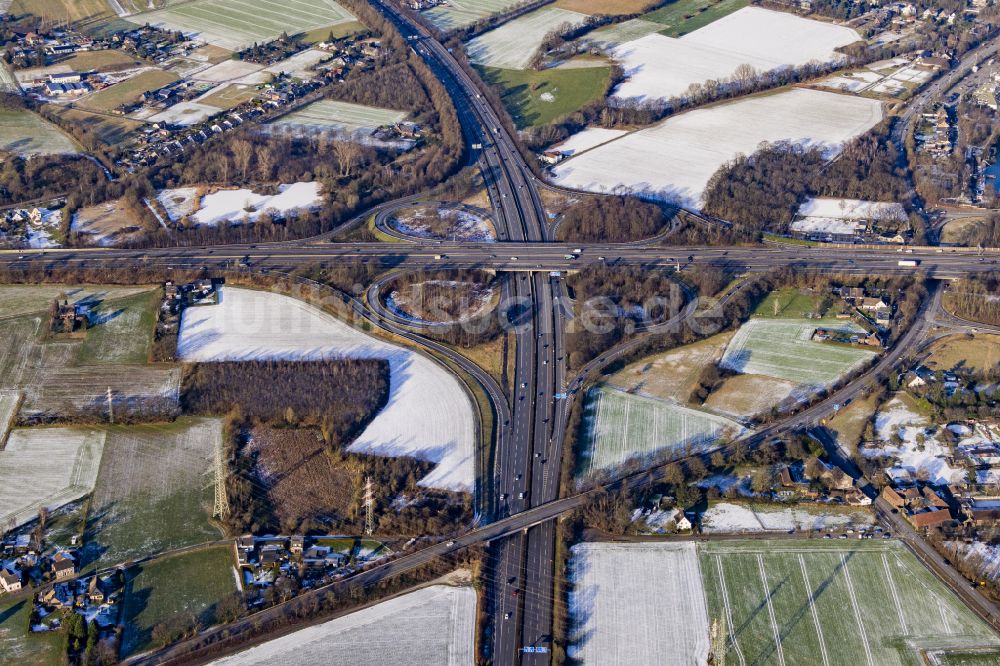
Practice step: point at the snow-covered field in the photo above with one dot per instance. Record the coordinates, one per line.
(850, 209)
(236, 206)
(587, 139)
(658, 66)
(675, 159)
(919, 450)
(46, 467)
(782, 348)
(638, 603)
(343, 117)
(513, 44)
(435, 625)
(621, 426)
(428, 414)
(229, 70)
(185, 114)
(730, 517)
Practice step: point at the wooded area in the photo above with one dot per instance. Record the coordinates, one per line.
(615, 219)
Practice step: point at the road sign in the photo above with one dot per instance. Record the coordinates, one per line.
(560, 396)
(534, 650)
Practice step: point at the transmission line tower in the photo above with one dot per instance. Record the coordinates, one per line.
(369, 506)
(221, 502)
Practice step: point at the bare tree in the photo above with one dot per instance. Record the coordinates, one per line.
(348, 154)
(744, 73)
(242, 154)
(265, 162)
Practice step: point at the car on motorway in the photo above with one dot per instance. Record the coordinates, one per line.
(520, 495)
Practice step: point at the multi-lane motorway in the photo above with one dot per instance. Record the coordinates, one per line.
(531, 427)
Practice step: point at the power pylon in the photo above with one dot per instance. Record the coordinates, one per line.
(369, 501)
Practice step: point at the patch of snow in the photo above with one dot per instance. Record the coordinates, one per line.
(428, 414)
(919, 451)
(178, 202)
(238, 205)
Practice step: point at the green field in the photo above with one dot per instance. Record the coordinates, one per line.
(460, 13)
(26, 133)
(187, 584)
(128, 91)
(969, 658)
(623, 426)
(685, 16)
(17, 645)
(782, 348)
(121, 330)
(154, 491)
(537, 98)
(341, 116)
(792, 303)
(235, 24)
(832, 603)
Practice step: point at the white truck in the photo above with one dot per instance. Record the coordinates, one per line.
(907, 262)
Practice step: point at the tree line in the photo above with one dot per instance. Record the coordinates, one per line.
(615, 219)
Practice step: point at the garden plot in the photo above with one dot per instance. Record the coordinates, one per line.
(830, 602)
(910, 438)
(46, 467)
(25, 133)
(514, 44)
(154, 491)
(637, 603)
(660, 67)
(443, 224)
(783, 348)
(675, 159)
(621, 426)
(428, 415)
(355, 120)
(730, 517)
(237, 206)
(434, 625)
(460, 13)
(587, 139)
(236, 24)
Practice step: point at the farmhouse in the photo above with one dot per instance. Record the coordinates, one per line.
(9, 582)
(63, 566)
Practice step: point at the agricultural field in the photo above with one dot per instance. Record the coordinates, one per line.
(121, 330)
(77, 11)
(460, 13)
(428, 416)
(433, 625)
(836, 603)
(591, 137)
(26, 133)
(845, 602)
(18, 645)
(108, 129)
(228, 96)
(513, 44)
(127, 91)
(979, 353)
(537, 98)
(750, 517)
(105, 224)
(17, 300)
(664, 67)
(235, 24)
(609, 7)
(620, 426)
(8, 82)
(849, 423)
(782, 348)
(46, 467)
(154, 491)
(9, 401)
(339, 117)
(699, 142)
(238, 204)
(747, 396)
(193, 584)
(611, 36)
(443, 224)
(685, 16)
(185, 114)
(672, 375)
(791, 303)
(634, 603)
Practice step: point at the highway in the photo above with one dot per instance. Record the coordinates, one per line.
(521, 509)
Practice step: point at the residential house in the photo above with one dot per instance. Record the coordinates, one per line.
(551, 157)
(9, 581)
(63, 566)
